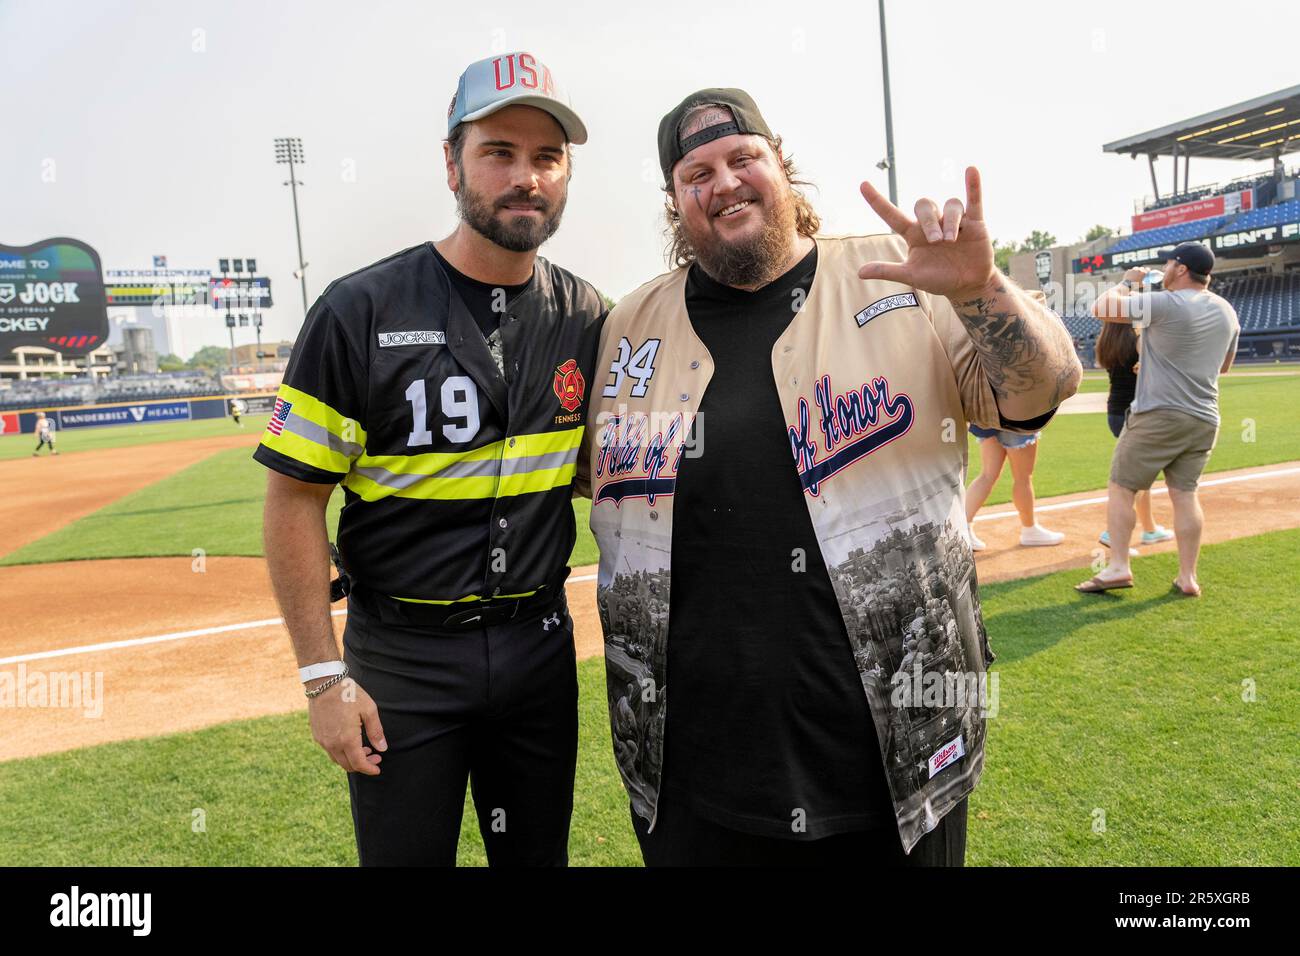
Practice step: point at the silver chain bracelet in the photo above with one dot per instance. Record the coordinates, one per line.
(337, 678)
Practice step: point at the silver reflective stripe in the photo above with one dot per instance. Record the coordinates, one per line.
(321, 436)
(488, 468)
(555, 459)
(461, 469)
(470, 469)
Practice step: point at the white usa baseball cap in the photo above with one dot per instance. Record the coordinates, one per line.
(512, 79)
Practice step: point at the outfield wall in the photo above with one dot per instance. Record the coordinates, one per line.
(133, 413)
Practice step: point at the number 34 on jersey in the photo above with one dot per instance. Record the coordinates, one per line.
(638, 365)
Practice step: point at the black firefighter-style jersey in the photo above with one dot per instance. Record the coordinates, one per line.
(457, 478)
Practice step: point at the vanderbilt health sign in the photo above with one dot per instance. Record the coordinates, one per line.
(52, 294)
(123, 414)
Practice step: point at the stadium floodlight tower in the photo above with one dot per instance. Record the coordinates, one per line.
(888, 161)
(288, 149)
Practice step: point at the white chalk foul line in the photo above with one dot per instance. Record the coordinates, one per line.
(1066, 505)
(271, 621)
(154, 639)
(175, 636)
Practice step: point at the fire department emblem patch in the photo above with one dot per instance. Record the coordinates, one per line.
(570, 386)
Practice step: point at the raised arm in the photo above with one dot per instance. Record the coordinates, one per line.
(1026, 352)
(1116, 303)
(1024, 348)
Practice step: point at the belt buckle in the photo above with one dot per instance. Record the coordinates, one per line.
(462, 618)
(485, 614)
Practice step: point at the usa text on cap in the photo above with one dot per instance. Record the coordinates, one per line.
(512, 79)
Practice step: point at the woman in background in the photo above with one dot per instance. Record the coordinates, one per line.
(997, 447)
(1117, 353)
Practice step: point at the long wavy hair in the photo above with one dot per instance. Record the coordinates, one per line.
(679, 250)
(1116, 346)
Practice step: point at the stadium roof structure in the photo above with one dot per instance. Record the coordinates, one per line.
(1263, 128)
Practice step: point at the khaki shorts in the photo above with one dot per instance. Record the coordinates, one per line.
(1162, 439)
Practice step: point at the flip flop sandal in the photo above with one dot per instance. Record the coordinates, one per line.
(1097, 584)
(1175, 586)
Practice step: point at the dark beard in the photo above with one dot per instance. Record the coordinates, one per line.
(519, 233)
(755, 260)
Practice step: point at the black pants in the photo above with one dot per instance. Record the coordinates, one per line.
(682, 838)
(1116, 422)
(497, 706)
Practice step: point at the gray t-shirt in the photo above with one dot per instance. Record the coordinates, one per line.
(1186, 336)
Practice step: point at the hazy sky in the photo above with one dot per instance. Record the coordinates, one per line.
(156, 119)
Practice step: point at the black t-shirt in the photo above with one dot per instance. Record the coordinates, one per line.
(481, 298)
(769, 721)
(1123, 385)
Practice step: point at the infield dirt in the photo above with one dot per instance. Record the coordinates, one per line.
(186, 681)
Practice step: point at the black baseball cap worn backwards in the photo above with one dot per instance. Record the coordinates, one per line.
(745, 118)
(1195, 256)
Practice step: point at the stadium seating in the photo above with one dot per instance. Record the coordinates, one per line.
(1081, 327)
(1266, 216)
(34, 393)
(1168, 235)
(1199, 193)
(1264, 303)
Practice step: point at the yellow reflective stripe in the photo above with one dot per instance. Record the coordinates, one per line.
(307, 452)
(472, 597)
(314, 433)
(314, 410)
(429, 489)
(544, 443)
(429, 463)
(533, 481)
(480, 473)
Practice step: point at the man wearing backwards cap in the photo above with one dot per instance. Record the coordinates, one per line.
(1188, 338)
(777, 464)
(445, 388)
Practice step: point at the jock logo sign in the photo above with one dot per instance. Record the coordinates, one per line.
(52, 295)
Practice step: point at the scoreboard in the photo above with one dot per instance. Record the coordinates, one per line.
(165, 293)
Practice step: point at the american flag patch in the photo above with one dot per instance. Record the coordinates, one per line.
(279, 416)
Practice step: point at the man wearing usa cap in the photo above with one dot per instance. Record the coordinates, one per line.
(776, 462)
(445, 389)
(1188, 337)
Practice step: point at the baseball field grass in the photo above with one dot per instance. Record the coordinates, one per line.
(1260, 425)
(216, 504)
(1136, 728)
(73, 440)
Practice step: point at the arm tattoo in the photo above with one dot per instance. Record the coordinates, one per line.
(1016, 353)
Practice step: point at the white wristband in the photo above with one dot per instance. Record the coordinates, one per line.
(324, 669)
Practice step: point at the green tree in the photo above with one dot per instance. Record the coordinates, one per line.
(1098, 232)
(170, 363)
(210, 356)
(1002, 253)
(1038, 240)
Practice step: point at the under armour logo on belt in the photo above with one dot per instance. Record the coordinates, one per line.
(550, 622)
